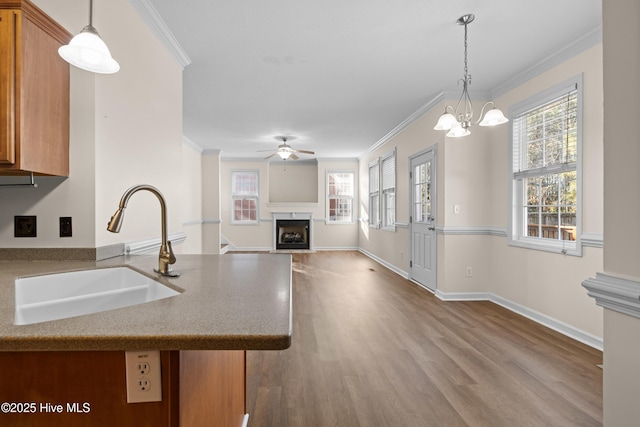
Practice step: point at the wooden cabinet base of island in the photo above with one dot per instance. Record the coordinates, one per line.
(88, 388)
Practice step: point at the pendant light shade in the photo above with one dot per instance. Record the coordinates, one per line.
(446, 121)
(493, 117)
(88, 52)
(458, 131)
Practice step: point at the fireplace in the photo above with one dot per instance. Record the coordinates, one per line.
(292, 231)
(292, 234)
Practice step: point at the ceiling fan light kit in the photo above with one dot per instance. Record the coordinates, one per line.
(285, 151)
(458, 121)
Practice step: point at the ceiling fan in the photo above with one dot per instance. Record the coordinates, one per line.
(285, 151)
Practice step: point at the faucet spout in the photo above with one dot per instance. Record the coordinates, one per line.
(166, 256)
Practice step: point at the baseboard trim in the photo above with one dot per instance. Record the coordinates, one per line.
(543, 319)
(385, 263)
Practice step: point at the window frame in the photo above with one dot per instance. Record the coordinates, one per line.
(517, 180)
(374, 194)
(383, 193)
(242, 196)
(350, 197)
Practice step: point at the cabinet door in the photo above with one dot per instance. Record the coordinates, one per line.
(7, 86)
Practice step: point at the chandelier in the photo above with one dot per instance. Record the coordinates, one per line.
(458, 121)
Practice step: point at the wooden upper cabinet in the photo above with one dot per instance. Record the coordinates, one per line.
(34, 92)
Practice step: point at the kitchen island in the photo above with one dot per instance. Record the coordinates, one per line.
(227, 304)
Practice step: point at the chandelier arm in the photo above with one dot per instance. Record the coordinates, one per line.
(493, 104)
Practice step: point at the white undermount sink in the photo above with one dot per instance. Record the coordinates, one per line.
(62, 295)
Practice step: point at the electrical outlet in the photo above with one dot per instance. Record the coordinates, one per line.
(142, 368)
(24, 226)
(144, 382)
(469, 272)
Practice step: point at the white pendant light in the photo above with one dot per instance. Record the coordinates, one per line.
(458, 131)
(458, 121)
(88, 52)
(446, 121)
(493, 117)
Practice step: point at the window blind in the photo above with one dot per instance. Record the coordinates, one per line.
(374, 178)
(389, 172)
(545, 138)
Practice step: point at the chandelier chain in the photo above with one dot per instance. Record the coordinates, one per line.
(466, 67)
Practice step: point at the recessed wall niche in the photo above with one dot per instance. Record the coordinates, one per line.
(293, 181)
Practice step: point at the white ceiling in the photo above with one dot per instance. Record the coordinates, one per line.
(339, 75)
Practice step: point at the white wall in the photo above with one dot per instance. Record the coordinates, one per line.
(126, 129)
(191, 206)
(293, 181)
(545, 282)
(622, 224)
(211, 203)
(473, 173)
(389, 246)
(260, 236)
(138, 123)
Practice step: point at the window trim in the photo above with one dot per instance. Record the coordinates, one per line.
(235, 197)
(382, 198)
(352, 197)
(516, 185)
(374, 192)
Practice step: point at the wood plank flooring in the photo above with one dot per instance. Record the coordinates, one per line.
(373, 349)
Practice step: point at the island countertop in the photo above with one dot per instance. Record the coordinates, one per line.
(227, 302)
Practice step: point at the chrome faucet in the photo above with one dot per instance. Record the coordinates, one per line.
(166, 257)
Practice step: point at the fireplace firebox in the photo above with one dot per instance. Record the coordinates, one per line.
(292, 234)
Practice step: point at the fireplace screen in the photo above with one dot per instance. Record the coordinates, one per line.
(292, 234)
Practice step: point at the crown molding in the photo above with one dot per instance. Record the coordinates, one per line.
(405, 124)
(189, 143)
(156, 23)
(581, 44)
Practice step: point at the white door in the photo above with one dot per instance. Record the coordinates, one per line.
(422, 265)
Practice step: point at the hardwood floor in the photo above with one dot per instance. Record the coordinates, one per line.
(373, 349)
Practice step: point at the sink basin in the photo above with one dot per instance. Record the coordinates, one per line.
(62, 295)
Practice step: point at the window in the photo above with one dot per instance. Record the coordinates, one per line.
(546, 171)
(388, 164)
(340, 187)
(244, 197)
(374, 193)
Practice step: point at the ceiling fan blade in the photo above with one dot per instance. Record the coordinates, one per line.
(260, 151)
(304, 151)
(293, 157)
(268, 157)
